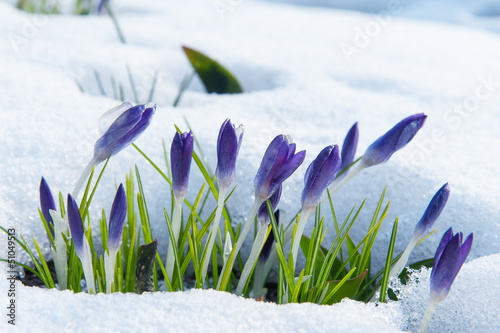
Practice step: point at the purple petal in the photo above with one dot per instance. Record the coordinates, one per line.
(433, 211)
(46, 203)
(320, 175)
(396, 138)
(278, 163)
(75, 225)
(181, 153)
(465, 249)
(227, 150)
(448, 235)
(275, 153)
(285, 170)
(445, 269)
(117, 219)
(291, 150)
(447, 264)
(263, 216)
(349, 146)
(123, 131)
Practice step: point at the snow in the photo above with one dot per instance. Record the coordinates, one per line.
(469, 308)
(299, 82)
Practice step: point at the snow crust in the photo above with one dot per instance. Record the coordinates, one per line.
(470, 307)
(298, 81)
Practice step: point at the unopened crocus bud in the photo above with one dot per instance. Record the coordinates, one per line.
(320, 173)
(82, 247)
(449, 258)
(75, 226)
(349, 146)
(423, 227)
(181, 153)
(115, 231)
(432, 212)
(118, 128)
(117, 220)
(278, 163)
(132, 121)
(396, 138)
(228, 145)
(46, 204)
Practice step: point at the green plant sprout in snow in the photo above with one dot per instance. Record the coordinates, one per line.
(329, 274)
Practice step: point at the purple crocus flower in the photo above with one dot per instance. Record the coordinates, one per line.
(116, 134)
(349, 146)
(278, 163)
(47, 203)
(117, 219)
(423, 226)
(396, 138)
(181, 153)
(432, 212)
(228, 145)
(320, 173)
(75, 226)
(123, 131)
(82, 247)
(449, 258)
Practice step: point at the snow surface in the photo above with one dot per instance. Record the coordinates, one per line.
(298, 81)
(470, 307)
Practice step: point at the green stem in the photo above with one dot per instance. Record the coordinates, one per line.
(213, 232)
(246, 228)
(401, 263)
(59, 251)
(88, 271)
(303, 217)
(115, 22)
(85, 173)
(337, 185)
(426, 320)
(109, 267)
(258, 243)
(176, 227)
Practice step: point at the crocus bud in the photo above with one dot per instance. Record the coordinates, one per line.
(75, 226)
(432, 212)
(118, 128)
(268, 245)
(449, 258)
(117, 220)
(228, 145)
(396, 138)
(47, 203)
(423, 226)
(278, 163)
(263, 216)
(320, 173)
(82, 247)
(181, 153)
(349, 146)
(123, 131)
